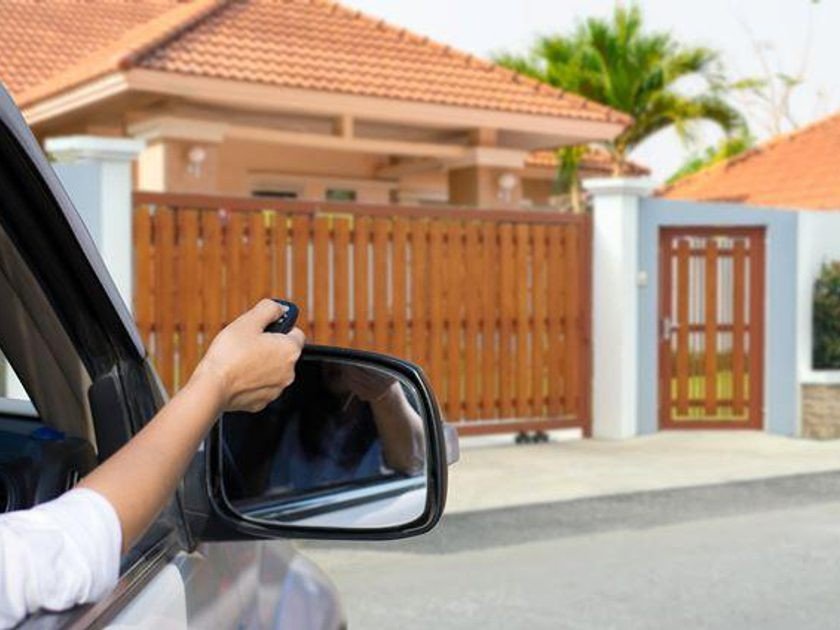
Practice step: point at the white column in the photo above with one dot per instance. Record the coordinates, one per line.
(97, 174)
(615, 303)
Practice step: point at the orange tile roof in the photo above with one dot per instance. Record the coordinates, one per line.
(41, 39)
(307, 44)
(796, 170)
(596, 160)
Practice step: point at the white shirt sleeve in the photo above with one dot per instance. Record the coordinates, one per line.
(58, 554)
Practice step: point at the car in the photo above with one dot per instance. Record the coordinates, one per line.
(220, 554)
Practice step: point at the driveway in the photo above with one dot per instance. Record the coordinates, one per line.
(506, 475)
(756, 554)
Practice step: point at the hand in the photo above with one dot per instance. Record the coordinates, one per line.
(249, 367)
(368, 385)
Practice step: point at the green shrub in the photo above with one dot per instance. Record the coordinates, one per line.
(827, 318)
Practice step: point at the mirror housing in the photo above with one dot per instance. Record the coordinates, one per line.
(213, 516)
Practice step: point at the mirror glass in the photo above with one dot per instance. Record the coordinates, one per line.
(344, 446)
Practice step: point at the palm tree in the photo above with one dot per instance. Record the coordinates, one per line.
(616, 63)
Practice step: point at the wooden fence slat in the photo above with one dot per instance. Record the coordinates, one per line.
(556, 315)
(143, 270)
(571, 323)
(213, 288)
(710, 336)
(490, 312)
(381, 264)
(280, 244)
(235, 288)
(507, 369)
(188, 293)
(472, 296)
(301, 238)
(164, 298)
(341, 280)
(739, 263)
(454, 314)
(683, 322)
(539, 337)
(523, 315)
(419, 292)
(398, 286)
(436, 309)
(259, 267)
(361, 321)
(321, 332)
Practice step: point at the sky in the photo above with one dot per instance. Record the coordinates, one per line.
(792, 35)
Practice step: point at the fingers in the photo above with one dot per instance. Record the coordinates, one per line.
(265, 312)
(296, 335)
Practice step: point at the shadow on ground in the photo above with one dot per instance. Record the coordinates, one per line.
(515, 525)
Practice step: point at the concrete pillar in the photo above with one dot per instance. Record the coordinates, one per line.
(615, 300)
(97, 174)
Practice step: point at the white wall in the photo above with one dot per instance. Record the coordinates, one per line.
(819, 242)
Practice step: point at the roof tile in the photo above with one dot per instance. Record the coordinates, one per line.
(798, 170)
(596, 160)
(45, 38)
(309, 44)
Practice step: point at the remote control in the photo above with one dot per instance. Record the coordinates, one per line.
(287, 320)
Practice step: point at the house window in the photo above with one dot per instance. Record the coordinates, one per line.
(276, 193)
(340, 194)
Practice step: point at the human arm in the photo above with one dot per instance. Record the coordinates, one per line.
(67, 551)
(244, 369)
(399, 426)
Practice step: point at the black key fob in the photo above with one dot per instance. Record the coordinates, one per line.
(287, 320)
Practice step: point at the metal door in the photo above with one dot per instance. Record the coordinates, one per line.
(711, 327)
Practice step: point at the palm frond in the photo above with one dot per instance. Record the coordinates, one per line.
(615, 61)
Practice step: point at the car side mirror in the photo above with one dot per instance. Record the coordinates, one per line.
(354, 448)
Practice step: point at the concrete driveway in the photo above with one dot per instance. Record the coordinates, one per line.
(493, 475)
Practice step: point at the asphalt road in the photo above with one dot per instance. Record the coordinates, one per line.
(763, 554)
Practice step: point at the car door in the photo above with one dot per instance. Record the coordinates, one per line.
(164, 578)
(206, 561)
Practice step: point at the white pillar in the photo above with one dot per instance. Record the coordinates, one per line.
(615, 302)
(97, 174)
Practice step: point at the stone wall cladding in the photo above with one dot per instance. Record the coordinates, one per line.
(821, 411)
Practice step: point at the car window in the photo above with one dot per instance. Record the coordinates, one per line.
(46, 432)
(40, 361)
(11, 389)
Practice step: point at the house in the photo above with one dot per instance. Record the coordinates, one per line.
(794, 170)
(299, 99)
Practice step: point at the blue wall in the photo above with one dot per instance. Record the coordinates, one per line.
(780, 384)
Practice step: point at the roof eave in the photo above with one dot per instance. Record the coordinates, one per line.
(43, 110)
(564, 130)
(266, 97)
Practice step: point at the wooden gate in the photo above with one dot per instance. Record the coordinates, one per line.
(494, 305)
(711, 327)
